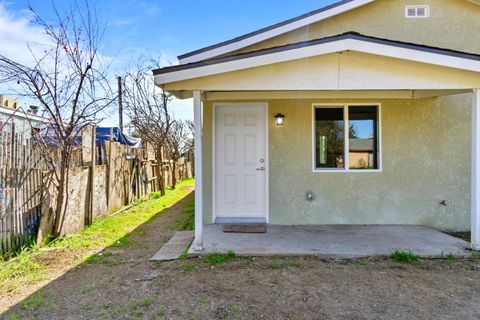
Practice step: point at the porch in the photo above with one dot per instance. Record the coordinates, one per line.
(420, 166)
(333, 241)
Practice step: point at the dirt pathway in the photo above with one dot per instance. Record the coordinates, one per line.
(125, 285)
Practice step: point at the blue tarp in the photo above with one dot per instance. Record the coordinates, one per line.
(103, 134)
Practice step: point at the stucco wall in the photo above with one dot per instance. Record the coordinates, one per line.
(453, 24)
(426, 159)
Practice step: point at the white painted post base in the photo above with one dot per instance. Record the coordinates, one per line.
(197, 112)
(475, 222)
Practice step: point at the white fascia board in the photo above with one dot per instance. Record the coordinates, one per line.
(415, 55)
(317, 50)
(215, 52)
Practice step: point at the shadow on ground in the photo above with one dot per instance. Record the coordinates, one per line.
(108, 284)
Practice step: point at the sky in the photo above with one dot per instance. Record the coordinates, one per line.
(162, 29)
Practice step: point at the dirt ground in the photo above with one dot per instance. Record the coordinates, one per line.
(125, 285)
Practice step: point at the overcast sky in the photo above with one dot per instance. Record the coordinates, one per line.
(160, 28)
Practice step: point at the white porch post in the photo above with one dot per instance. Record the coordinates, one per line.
(197, 111)
(475, 224)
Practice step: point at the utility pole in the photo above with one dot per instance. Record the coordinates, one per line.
(120, 104)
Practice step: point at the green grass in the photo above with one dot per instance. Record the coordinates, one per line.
(107, 231)
(103, 258)
(476, 255)
(219, 258)
(448, 256)
(186, 222)
(404, 256)
(113, 231)
(20, 271)
(33, 302)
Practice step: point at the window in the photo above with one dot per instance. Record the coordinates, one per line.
(358, 152)
(422, 11)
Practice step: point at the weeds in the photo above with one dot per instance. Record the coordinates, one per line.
(186, 222)
(449, 257)
(33, 302)
(404, 256)
(103, 258)
(19, 271)
(219, 258)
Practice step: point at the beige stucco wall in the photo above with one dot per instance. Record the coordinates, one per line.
(426, 159)
(453, 24)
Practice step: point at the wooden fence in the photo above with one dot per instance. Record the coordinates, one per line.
(20, 191)
(117, 176)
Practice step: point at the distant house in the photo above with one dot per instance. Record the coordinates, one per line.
(23, 122)
(273, 109)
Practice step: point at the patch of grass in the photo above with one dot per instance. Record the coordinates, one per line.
(155, 195)
(448, 256)
(103, 258)
(186, 222)
(20, 271)
(160, 311)
(476, 255)
(189, 267)
(33, 302)
(282, 265)
(13, 316)
(147, 301)
(404, 256)
(107, 231)
(219, 258)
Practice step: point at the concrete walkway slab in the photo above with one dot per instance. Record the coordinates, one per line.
(334, 241)
(175, 247)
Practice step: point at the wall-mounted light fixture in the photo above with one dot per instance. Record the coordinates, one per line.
(279, 119)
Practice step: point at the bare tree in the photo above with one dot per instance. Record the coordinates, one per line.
(148, 109)
(177, 143)
(68, 81)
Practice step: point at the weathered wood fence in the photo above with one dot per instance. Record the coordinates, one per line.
(103, 176)
(20, 191)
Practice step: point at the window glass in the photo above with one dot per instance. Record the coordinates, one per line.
(329, 138)
(363, 140)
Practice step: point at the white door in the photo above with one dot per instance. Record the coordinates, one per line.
(240, 170)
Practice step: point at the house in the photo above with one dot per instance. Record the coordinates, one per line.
(273, 111)
(14, 117)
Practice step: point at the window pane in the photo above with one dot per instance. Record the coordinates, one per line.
(329, 138)
(363, 137)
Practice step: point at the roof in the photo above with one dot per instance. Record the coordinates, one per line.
(361, 145)
(344, 42)
(275, 30)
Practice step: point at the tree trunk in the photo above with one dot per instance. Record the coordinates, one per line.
(174, 175)
(61, 195)
(160, 175)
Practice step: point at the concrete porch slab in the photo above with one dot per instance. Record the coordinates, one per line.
(333, 241)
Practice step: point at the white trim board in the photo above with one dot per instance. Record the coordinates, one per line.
(348, 44)
(271, 33)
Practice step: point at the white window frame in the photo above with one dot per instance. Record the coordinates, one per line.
(416, 7)
(345, 107)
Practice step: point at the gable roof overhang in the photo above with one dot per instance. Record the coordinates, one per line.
(320, 47)
(272, 31)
